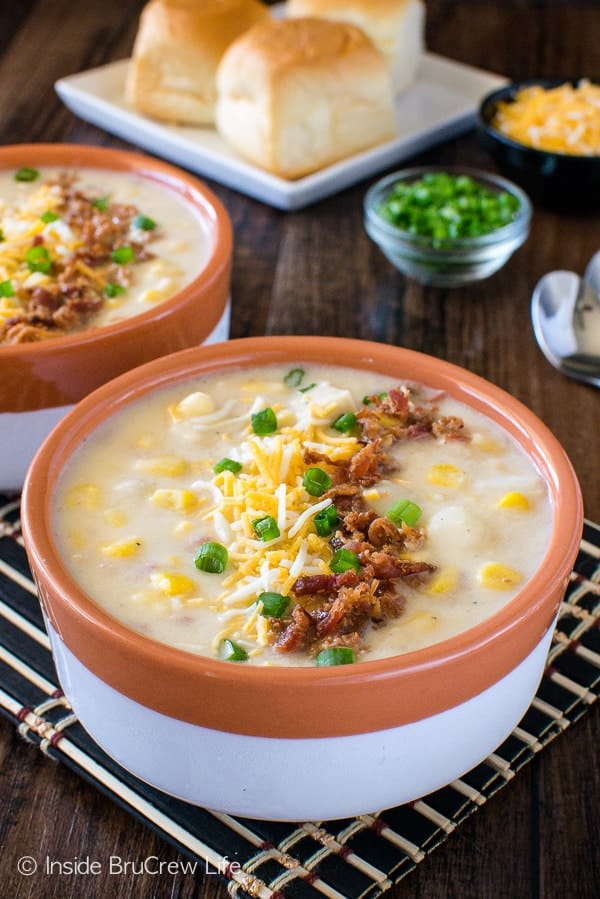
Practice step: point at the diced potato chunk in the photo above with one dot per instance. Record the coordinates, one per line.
(194, 404)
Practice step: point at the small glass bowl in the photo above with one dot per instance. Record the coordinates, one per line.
(458, 261)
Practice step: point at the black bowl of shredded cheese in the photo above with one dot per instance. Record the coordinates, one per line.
(545, 134)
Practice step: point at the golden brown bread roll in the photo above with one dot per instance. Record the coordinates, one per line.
(177, 49)
(396, 27)
(298, 94)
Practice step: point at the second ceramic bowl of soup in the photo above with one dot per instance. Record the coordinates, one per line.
(203, 724)
(108, 260)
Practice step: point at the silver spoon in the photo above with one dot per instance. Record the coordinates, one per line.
(565, 311)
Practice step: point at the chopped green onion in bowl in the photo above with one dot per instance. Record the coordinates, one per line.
(26, 174)
(123, 255)
(404, 512)
(211, 557)
(264, 422)
(316, 481)
(344, 560)
(444, 207)
(335, 655)
(266, 528)
(447, 227)
(227, 464)
(230, 651)
(274, 605)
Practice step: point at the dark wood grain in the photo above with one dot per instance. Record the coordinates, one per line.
(316, 272)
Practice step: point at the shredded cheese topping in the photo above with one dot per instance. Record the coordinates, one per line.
(563, 119)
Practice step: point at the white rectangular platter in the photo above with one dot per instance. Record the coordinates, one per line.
(441, 104)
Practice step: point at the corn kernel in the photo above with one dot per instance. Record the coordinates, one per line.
(176, 500)
(115, 518)
(444, 581)
(419, 623)
(169, 466)
(496, 576)
(445, 476)
(145, 441)
(171, 584)
(152, 295)
(486, 444)
(514, 500)
(183, 528)
(196, 403)
(122, 549)
(86, 495)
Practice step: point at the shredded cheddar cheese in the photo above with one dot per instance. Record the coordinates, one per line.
(563, 119)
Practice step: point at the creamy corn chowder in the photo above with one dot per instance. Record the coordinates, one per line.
(86, 248)
(300, 516)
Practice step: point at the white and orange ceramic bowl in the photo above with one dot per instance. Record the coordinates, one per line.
(41, 380)
(300, 742)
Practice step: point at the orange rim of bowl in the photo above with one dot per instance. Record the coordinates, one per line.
(48, 370)
(301, 702)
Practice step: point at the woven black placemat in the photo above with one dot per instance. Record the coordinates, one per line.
(348, 859)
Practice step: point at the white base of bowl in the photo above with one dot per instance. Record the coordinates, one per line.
(298, 779)
(22, 433)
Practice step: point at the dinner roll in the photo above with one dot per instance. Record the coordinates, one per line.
(396, 27)
(299, 94)
(176, 53)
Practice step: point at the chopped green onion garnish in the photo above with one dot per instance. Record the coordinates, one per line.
(26, 174)
(335, 655)
(307, 388)
(101, 203)
(344, 560)
(1, 234)
(443, 206)
(316, 481)
(112, 290)
(49, 216)
(294, 377)
(326, 520)
(274, 605)
(211, 557)
(345, 422)
(264, 422)
(232, 652)
(122, 255)
(404, 511)
(38, 260)
(6, 289)
(266, 528)
(227, 465)
(144, 223)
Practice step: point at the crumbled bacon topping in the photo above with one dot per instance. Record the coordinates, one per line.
(75, 292)
(333, 610)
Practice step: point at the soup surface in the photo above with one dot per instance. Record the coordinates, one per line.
(86, 248)
(312, 515)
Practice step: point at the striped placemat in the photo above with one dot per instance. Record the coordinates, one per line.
(347, 859)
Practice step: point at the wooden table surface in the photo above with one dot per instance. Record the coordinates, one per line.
(316, 272)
